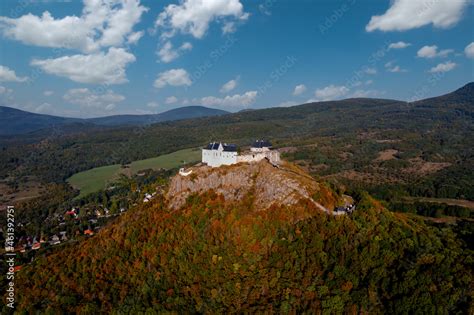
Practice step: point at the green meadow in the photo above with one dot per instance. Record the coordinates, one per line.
(98, 178)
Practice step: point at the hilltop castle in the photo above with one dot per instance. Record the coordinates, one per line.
(216, 154)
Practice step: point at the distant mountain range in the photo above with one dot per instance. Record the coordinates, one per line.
(15, 121)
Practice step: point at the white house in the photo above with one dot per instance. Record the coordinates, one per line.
(216, 154)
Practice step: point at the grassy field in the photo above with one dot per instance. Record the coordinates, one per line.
(97, 178)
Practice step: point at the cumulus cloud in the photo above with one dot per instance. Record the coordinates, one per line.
(194, 16)
(299, 89)
(229, 86)
(173, 77)
(8, 75)
(91, 99)
(432, 52)
(398, 45)
(331, 92)
(103, 23)
(469, 50)
(229, 27)
(392, 67)
(48, 93)
(99, 68)
(410, 14)
(171, 100)
(443, 67)
(134, 37)
(167, 53)
(237, 100)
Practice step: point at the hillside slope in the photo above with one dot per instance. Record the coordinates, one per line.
(180, 113)
(285, 185)
(15, 121)
(214, 255)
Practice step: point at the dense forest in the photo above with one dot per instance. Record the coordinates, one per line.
(213, 257)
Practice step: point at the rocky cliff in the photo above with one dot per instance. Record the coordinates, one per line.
(264, 184)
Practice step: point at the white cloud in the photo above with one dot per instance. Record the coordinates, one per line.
(409, 14)
(370, 70)
(48, 93)
(398, 45)
(97, 68)
(229, 86)
(5, 91)
(237, 100)
(8, 75)
(364, 93)
(171, 100)
(44, 108)
(173, 77)
(443, 67)
(103, 23)
(194, 16)
(134, 37)
(469, 50)
(432, 52)
(287, 104)
(392, 67)
(229, 27)
(86, 98)
(331, 92)
(153, 104)
(369, 82)
(167, 53)
(299, 89)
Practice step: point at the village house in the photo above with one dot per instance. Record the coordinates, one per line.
(216, 154)
(54, 240)
(36, 245)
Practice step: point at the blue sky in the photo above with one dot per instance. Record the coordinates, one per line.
(103, 57)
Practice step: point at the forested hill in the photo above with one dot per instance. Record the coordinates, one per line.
(214, 255)
(16, 122)
(180, 113)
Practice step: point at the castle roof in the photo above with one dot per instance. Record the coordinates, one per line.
(226, 147)
(261, 144)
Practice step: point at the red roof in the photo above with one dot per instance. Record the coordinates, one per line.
(88, 232)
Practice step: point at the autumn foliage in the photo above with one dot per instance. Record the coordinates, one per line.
(215, 257)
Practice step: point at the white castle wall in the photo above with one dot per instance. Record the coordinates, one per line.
(273, 156)
(216, 158)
